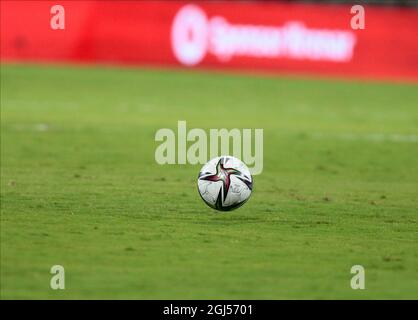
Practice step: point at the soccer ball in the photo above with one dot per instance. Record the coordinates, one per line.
(225, 183)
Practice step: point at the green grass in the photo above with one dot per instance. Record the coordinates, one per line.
(80, 187)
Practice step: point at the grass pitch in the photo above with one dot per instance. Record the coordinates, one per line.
(80, 187)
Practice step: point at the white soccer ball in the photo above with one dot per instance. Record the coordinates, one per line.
(225, 183)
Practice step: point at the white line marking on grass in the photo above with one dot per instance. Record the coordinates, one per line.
(43, 103)
(41, 127)
(374, 137)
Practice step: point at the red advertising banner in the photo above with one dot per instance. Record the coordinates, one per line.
(249, 36)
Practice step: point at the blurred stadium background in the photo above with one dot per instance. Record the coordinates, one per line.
(80, 186)
(311, 37)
